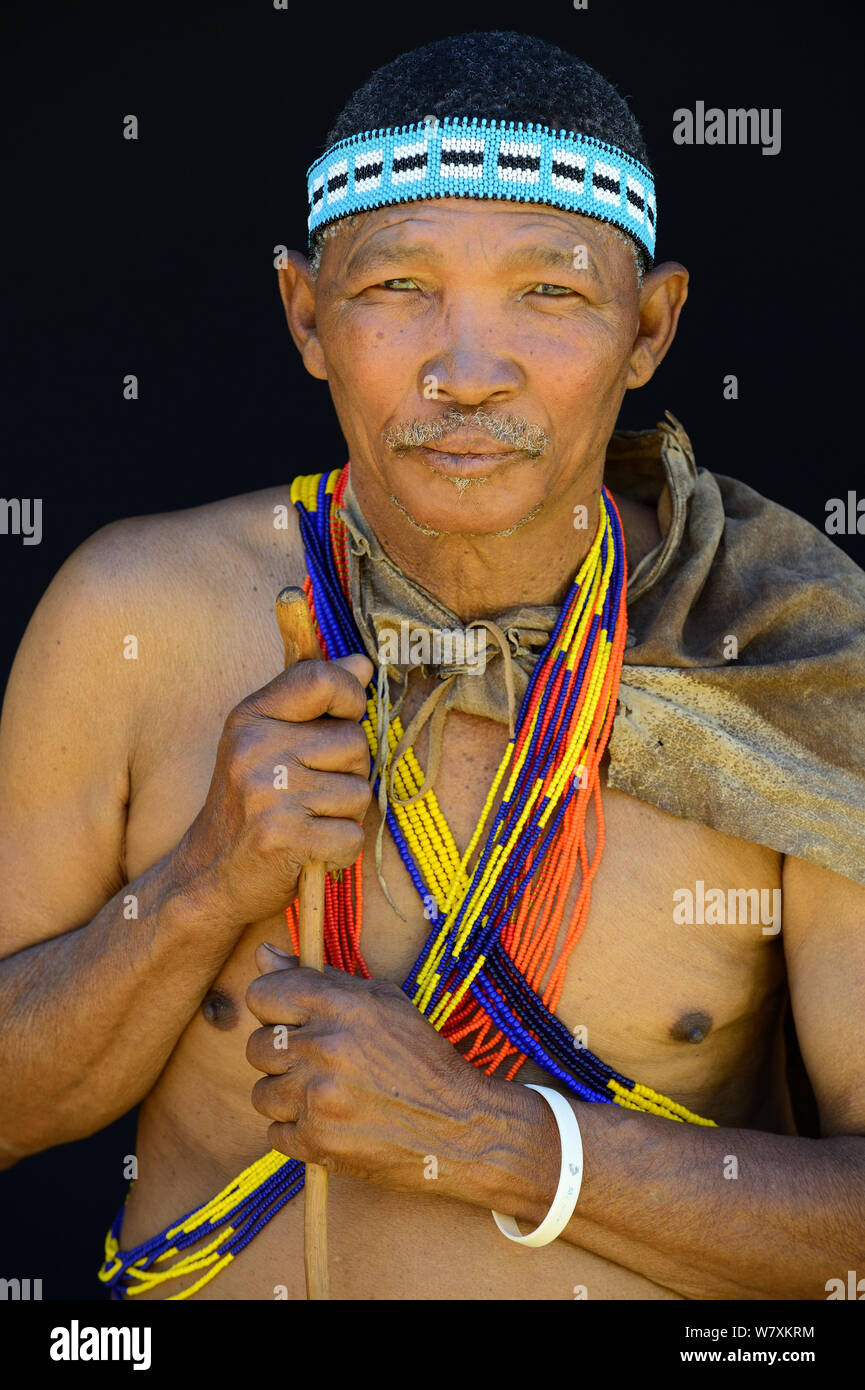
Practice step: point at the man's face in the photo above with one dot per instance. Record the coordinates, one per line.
(430, 312)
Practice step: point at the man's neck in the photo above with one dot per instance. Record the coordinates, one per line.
(480, 576)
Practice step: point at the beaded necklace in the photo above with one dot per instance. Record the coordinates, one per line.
(489, 965)
(493, 964)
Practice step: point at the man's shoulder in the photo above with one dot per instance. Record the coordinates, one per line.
(242, 528)
(186, 585)
(186, 554)
(761, 519)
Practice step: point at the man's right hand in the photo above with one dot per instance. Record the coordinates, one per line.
(291, 784)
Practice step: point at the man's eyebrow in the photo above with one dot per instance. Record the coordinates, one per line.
(371, 256)
(553, 258)
(389, 253)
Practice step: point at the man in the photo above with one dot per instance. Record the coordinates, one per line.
(477, 348)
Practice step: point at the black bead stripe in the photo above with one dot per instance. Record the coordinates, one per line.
(457, 157)
(605, 182)
(532, 163)
(568, 171)
(411, 161)
(368, 171)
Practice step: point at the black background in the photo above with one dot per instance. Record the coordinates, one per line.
(155, 257)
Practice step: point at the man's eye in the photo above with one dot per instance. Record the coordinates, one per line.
(405, 282)
(545, 288)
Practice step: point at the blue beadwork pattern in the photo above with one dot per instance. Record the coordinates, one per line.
(467, 157)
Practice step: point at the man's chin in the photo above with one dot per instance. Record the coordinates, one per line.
(464, 507)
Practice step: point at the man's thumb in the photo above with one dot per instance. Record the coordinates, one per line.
(270, 958)
(359, 665)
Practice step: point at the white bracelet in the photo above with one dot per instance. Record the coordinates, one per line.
(570, 1178)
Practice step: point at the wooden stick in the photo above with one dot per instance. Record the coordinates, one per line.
(301, 644)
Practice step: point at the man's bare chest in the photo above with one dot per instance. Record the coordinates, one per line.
(680, 1006)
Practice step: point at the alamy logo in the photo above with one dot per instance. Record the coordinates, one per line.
(75, 1343)
(713, 907)
(20, 1290)
(424, 646)
(845, 519)
(736, 126)
(21, 516)
(854, 1288)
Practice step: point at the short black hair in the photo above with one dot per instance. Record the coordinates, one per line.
(503, 76)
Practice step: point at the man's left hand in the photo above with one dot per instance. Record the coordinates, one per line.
(356, 1079)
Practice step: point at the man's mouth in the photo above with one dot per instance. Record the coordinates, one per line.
(465, 458)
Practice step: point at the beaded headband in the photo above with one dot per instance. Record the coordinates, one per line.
(463, 157)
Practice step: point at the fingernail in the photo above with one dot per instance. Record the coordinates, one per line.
(276, 950)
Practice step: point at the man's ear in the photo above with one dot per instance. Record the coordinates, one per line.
(297, 289)
(662, 298)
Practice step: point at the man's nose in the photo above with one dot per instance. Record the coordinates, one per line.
(471, 363)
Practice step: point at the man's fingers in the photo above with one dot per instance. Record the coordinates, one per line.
(334, 745)
(277, 1098)
(332, 841)
(313, 688)
(288, 996)
(341, 796)
(285, 1138)
(270, 1049)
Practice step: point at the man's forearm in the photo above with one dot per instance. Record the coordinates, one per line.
(89, 1018)
(708, 1213)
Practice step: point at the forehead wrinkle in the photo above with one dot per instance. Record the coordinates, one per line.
(372, 251)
